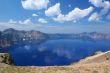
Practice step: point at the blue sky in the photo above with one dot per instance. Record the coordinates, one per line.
(56, 16)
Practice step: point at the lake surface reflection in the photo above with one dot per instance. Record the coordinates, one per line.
(55, 52)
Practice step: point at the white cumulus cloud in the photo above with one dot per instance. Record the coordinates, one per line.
(35, 15)
(94, 17)
(74, 15)
(106, 7)
(27, 21)
(78, 13)
(104, 4)
(100, 3)
(34, 4)
(97, 3)
(54, 10)
(41, 20)
(12, 21)
(60, 18)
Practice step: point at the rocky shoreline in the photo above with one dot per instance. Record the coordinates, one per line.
(5, 58)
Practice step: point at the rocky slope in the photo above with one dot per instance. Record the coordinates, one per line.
(99, 58)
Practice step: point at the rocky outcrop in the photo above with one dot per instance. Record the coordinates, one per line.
(5, 58)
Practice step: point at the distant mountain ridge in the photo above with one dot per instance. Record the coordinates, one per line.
(10, 36)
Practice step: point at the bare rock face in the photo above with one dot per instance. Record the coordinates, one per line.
(6, 59)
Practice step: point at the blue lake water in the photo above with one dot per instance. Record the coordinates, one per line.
(55, 52)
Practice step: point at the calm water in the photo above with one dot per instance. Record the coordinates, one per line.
(55, 52)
